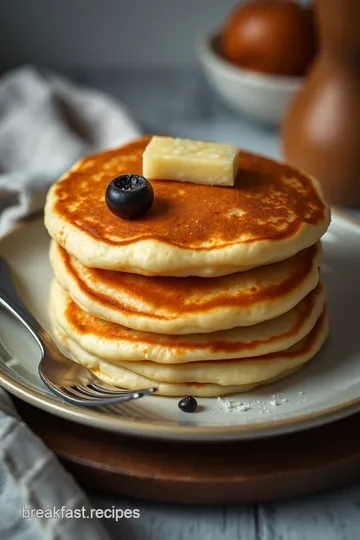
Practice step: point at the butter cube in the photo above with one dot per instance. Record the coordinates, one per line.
(184, 160)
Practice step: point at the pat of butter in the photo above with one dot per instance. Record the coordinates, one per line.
(166, 158)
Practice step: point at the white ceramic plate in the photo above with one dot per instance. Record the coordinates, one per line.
(326, 389)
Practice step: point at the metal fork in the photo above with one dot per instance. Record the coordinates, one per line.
(66, 378)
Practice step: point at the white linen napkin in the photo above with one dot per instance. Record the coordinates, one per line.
(46, 124)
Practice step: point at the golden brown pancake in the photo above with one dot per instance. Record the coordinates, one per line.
(170, 305)
(271, 213)
(117, 343)
(205, 379)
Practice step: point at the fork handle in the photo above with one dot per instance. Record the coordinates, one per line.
(10, 300)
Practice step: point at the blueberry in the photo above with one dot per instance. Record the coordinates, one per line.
(188, 404)
(129, 196)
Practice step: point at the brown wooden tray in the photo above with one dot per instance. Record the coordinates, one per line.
(265, 469)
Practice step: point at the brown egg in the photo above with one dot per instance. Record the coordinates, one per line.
(270, 36)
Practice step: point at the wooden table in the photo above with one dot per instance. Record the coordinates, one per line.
(332, 516)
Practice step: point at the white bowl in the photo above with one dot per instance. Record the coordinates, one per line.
(261, 96)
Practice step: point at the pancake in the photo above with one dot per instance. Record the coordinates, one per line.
(171, 305)
(217, 377)
(118, 344)
(270, 214)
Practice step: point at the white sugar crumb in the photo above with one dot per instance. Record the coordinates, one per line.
(242, 407)
(231, 406)
(263, 406)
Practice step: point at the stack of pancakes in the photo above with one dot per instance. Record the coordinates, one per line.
(216, 290)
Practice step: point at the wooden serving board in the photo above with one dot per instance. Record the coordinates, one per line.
(264, 469)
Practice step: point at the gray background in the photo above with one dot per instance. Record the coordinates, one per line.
(102, 34)
(105, 34)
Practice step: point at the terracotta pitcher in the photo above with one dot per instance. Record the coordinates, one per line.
(321, 132)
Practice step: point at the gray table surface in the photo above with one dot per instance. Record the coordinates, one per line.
(180, 103)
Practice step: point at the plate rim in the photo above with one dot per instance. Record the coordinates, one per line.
(162, 430)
